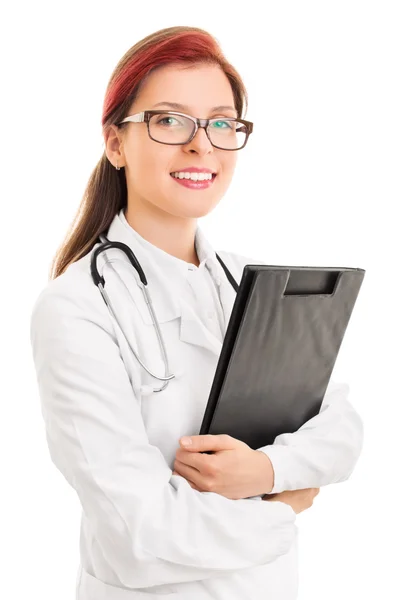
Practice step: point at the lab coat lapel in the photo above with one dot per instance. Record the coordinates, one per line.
(166, 305)
(192, 330)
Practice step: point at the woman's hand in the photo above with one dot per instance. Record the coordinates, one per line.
(299, 500)
(234, 470)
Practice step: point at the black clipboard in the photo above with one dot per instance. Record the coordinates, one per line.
(281, 344)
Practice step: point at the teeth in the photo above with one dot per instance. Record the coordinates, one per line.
(192, 176)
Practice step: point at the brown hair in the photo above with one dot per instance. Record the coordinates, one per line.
(106, 191)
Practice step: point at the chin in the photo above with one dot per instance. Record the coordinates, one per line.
(195, 210)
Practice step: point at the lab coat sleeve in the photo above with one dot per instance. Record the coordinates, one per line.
(152, 527)
(324, 450)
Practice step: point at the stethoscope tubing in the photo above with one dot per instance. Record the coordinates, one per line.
(99, 281)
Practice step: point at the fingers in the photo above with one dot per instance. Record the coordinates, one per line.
(192, 459)
(204, 443)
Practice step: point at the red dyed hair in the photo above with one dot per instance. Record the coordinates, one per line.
(106, 191)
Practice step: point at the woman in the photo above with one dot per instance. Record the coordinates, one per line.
(159, 518)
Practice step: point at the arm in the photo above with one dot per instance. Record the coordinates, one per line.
(324, 450)
(152, 528)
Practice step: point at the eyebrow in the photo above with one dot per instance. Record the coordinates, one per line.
(178, 106)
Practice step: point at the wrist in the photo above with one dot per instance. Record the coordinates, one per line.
(267, 474)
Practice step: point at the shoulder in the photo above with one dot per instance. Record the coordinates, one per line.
(72, 295)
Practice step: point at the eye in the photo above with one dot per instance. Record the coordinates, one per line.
(163, 119)
(221, 124)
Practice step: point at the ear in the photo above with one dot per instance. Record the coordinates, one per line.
(114, 145)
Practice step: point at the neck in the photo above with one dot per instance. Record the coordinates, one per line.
(174, 235)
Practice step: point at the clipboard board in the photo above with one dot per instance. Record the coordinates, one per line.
(281, 344)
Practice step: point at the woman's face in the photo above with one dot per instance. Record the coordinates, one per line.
(148, 164)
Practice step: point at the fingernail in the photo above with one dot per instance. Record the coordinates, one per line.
(186, 441)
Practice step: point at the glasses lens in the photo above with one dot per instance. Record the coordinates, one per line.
(226, 134)
(175, 129)
(170, 129)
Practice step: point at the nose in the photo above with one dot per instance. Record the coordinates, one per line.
(200, 142)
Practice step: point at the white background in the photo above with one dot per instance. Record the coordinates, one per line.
(317, 184)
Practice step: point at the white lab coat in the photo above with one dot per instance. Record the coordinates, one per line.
(145, 533)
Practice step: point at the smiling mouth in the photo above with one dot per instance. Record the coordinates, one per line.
(190, 179)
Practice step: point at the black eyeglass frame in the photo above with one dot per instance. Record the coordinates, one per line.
(145, 116)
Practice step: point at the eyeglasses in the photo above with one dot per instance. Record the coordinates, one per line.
(175, 128)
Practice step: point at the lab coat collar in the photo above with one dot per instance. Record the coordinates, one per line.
(166, 277)
(192, 329)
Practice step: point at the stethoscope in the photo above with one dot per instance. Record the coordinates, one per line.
(98, 280)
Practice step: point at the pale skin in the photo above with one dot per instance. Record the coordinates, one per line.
(234, 470)
(165, 213)
(160, 209)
